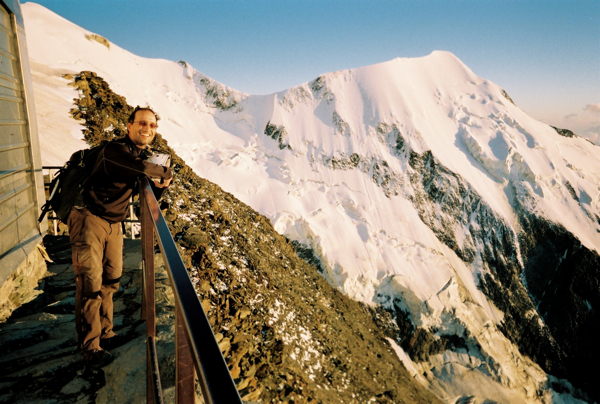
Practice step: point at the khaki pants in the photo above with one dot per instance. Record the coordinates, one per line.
(97, 247)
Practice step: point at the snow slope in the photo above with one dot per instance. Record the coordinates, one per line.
(331, 164)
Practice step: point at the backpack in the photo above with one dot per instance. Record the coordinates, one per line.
(68, 184)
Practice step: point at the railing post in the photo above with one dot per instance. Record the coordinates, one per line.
(54, 221)
(131, 217)
(195, 338)
(148, 306)
(185, 390)
(154, 390)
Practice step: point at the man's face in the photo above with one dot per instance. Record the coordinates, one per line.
(143, 129)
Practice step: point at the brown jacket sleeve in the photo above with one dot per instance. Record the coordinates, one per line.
(114, 177)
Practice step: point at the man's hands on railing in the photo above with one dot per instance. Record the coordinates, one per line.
(163, 184)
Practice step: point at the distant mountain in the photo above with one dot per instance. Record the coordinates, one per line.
(415, 186)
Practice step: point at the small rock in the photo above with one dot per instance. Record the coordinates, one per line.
(251, 371)
(235, 372)
(206, 305)
(253, 395)
(225, 346)
(244, 383)
(74, 386)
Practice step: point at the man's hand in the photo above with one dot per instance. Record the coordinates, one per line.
(164, 184)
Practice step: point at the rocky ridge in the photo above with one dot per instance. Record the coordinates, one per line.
(286, 334)
(342, 122)
(517, 269)
(533, 270)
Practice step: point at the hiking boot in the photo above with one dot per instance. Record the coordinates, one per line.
(113, 342)
(97, 358)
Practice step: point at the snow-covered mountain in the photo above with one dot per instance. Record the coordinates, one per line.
(412, 184)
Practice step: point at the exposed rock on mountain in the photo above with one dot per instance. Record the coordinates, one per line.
(563, 279)
(564, 132)
(285, 332)
(469, 229)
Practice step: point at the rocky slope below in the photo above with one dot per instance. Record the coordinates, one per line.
(38, 346)
(413, 184)
(286, 334)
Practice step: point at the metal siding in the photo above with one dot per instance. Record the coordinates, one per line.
(8, 210)
(4, 21)
(27, 218)
(5, 34)
(13, 158)
(8, 63)
(18, 189)
(12, 134)
(15, 8)
(7, 90)
(13, 180)
(10, 237)
(11, 198)
(10, 111)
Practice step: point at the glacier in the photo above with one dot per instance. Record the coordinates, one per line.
(415, 185)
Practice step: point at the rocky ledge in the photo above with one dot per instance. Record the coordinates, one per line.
(40, 363)
(38, 347)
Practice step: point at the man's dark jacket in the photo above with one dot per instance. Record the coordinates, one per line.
(113, 179)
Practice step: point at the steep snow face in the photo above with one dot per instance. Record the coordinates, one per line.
(409, 182)
(183, 96)
(436, 103)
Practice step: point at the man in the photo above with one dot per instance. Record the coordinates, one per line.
(96, 233)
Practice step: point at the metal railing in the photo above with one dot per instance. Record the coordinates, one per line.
(196, 348)
(53, 219)
(197, 351)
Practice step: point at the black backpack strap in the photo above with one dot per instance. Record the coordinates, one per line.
(102, 146)
(45, 208)
(136, 188)
(53, 188)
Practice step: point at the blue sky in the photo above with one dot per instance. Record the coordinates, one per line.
(545, 54)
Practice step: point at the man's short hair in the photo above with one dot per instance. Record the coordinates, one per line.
(138, 108)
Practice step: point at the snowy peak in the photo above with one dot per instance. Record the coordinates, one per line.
(414, 185)
(411, 94)
(436, 103)
(400, 90)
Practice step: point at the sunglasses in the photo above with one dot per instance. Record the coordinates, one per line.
(143, 124)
